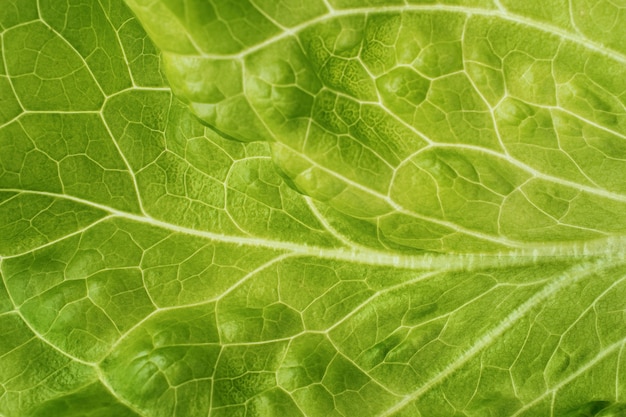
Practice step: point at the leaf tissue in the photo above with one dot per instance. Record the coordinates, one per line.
(310, 208)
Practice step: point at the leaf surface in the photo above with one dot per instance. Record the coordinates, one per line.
(454, 246)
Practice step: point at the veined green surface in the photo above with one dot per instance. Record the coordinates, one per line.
(455, 246)
(515, 118)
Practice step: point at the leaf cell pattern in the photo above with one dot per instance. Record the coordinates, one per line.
(151, 267)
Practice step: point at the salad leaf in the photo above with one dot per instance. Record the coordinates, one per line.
(389, 208)
(413, 116)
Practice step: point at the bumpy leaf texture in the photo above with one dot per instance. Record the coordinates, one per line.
(390, 208)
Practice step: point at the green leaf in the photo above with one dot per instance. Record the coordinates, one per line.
(340, 208)
(412, 116)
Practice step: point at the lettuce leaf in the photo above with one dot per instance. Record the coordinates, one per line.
(330, 208)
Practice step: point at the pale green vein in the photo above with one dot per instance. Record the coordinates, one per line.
(564, 280)
(607, 248)
(469, 11)
(603, 354)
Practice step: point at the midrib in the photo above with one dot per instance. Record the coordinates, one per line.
(610, 248)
